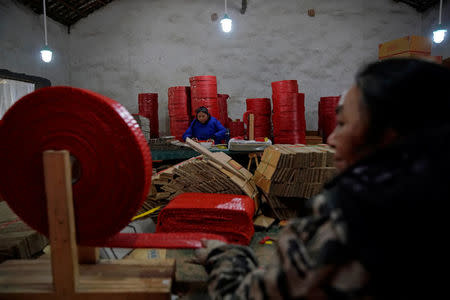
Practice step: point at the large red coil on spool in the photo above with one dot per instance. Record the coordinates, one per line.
(148, 107)
(289, 124)
(109, 149)
(327, 115)
(204, 93)
(179, 104)
(223, 108)
(237, 128)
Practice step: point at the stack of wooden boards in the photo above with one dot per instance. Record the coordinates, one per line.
(209, 173)
(289, 173)
(17, 240)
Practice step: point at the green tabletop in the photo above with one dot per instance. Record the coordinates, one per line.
(187, 153)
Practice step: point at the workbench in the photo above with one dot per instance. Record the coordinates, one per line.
(191, 278)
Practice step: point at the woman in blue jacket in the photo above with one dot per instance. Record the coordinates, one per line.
(205, 127)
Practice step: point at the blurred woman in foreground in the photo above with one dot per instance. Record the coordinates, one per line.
(376, 229)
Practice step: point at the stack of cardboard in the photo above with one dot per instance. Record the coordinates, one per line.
(289, 173)
(408, 46)
(208, 173)
(144, 124)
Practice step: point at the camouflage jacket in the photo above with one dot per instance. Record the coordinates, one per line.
(311, 251)
(376, 231)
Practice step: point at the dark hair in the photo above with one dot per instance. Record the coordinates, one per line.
(405, 95)
(202, 109)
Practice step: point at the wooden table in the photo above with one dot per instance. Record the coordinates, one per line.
(190, 279)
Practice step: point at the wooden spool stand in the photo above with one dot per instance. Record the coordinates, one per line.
(64, 277)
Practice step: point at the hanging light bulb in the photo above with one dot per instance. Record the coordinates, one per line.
(226, 22)
(439, 35)
(439, 32)
(46, 53)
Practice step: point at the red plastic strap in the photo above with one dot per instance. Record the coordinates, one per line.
(100, 133)
(157, 240)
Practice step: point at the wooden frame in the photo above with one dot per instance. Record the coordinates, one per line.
(64, 277)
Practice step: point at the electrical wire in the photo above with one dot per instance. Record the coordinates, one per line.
(45, 22)
(146, 213)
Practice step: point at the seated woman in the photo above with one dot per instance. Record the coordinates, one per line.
(205, 127)
(377, 229)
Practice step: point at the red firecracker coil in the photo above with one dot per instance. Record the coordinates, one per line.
(327, 115)
(283, 86)
(112, 169)
(223, 109)
(204, 93)
(260, 108)
(237, 128)
(179, 105)
(148, 107)
(289, 124)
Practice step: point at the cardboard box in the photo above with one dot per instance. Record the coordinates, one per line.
(412, 44)
(313, 140)
(435, 59)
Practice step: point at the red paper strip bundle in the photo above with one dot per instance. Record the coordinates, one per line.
(204, 93)
(226, 215)
(236, 128)
(223, 109)
(327, 115)
(260, 108)
(289, 124)
(179, 103)
(148, 107)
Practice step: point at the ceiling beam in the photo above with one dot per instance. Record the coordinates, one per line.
(72, 8)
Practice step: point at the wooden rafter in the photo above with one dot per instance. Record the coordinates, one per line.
(72, 8)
